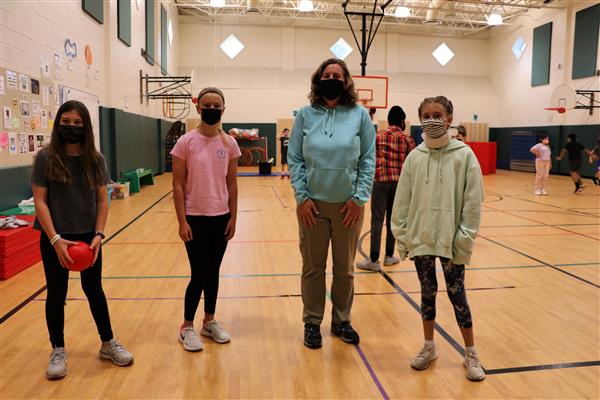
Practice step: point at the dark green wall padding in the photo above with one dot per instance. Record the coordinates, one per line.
(586, 135)
(15, 186)
(131, 141)
(585, 45)
(542, 46)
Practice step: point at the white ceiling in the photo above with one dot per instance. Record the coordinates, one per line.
(436, 17)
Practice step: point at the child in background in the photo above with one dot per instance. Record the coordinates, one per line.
(285, 139)
(462, 133)
(595, 156)
(436, 214)
(543, 164)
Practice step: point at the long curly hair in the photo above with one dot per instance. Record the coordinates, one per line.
(94, 174)
(348, 97)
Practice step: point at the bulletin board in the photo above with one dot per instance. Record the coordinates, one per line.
(28, 106)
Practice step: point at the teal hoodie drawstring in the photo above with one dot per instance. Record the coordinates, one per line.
(332, 122)
(428, 160)
(440, 163)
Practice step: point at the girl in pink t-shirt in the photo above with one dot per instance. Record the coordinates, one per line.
(543, 163)
(205, 194)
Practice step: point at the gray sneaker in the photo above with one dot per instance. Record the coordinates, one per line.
(368, 265)
(424, 358)
(390, 260)
(215, 331)
(57, 366)
(189, 339)
(475, 371)
(115, 352)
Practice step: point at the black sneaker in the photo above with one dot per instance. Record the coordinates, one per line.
(312, 336)
(345, 332)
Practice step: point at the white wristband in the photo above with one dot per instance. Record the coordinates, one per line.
(54, 239)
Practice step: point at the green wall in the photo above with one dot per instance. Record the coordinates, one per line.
(586, 134)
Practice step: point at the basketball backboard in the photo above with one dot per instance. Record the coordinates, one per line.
(372, 91)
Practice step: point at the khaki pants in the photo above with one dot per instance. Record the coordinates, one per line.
(542, 170)
(314, 246)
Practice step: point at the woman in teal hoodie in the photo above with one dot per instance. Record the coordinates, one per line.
(331, 157)
(436, 213)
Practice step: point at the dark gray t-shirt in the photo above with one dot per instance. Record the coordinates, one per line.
(72, 205)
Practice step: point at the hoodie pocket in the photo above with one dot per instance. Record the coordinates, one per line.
(433, 226)
(331, 184)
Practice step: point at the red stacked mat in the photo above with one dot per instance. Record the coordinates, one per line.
(486, 155)
(19, 248)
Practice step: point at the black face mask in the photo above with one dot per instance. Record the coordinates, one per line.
(331, 89)
(211, 116)
(71, 134)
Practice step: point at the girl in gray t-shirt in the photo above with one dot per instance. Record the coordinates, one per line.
(71, 204)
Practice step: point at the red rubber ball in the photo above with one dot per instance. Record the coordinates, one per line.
(82, 256)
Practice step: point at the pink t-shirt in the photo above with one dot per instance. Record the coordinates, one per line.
(207, 161)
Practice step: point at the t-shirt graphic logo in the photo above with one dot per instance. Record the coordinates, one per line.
(221, 154)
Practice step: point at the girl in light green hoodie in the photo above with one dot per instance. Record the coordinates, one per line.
(436, 213)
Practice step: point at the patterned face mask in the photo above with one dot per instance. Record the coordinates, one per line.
(433, 127)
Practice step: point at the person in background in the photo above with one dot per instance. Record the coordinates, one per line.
(285, 140)
(392, 148)
(574, 149)
(595, 157)
(176, 131)
(543, 163)
(462, 133)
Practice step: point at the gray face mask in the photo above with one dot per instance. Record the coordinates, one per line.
(434, 127)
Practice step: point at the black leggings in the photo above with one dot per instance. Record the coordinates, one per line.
(205, 252)
(57, 282)
(455, 283)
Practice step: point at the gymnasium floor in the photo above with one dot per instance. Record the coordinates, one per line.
(533, 287)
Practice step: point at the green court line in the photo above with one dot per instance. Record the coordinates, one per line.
(329, 274)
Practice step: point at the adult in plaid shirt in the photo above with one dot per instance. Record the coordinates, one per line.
(393, 145)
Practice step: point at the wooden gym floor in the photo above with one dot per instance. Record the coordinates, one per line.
(533, 288)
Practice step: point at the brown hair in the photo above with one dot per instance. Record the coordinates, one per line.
(447, 104)
(348, 97)
(462, 130)
(94, 169)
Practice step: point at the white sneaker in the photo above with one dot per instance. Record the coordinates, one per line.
(57, 366)
(215, 331)
(368, 265)
(537, 192)
(390, 260)
(544, 193)
(474, 369)
(424, 358)
(189, 339)
(115, 352)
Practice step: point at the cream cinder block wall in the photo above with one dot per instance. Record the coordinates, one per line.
(271, 77)
(33, 29)
(520, 104)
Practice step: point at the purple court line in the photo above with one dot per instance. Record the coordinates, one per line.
(371, 372)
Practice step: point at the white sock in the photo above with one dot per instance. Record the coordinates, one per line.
(430, 343)
(470, 349)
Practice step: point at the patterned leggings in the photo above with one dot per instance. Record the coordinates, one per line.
(455, 282)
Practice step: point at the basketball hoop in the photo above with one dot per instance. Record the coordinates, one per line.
(560, 110)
